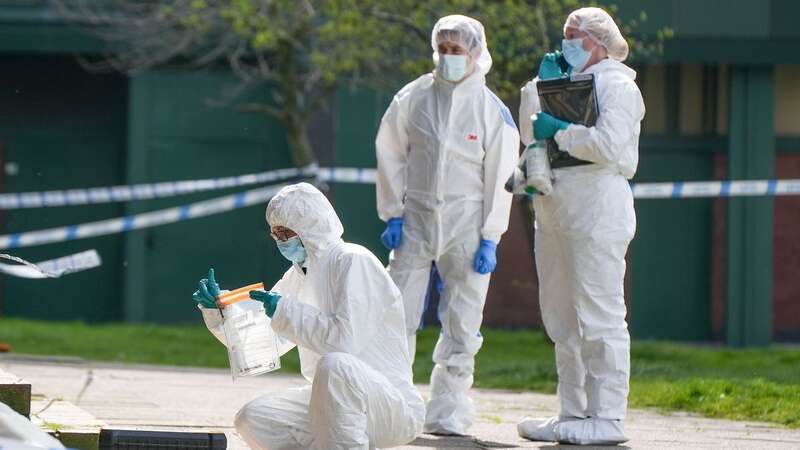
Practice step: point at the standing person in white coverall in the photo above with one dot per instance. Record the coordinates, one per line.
(341, 308)
(583, 229)
(445, 148)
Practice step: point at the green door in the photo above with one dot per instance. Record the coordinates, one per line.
(61, 127)
(177, 133)
(669, 259)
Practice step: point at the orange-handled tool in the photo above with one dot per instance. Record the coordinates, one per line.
(237, 295)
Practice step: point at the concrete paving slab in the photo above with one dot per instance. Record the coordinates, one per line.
(71, 425)
(174, 398)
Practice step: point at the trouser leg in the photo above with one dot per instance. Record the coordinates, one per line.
(450, 410)
(355, 407)
(411, 271)
(276, 422)
(605, 339)
(559, 314)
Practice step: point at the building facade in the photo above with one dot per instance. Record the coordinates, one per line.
(723, 102)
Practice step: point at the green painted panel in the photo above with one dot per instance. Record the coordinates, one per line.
(669, 259)
(731, 51)
(47, 39)
(704, 18)
(722, 18)
(720, 31)
(750, 220)
(177, 134)
(355, 147)
(784, 19)
(63, 128)
(658, 12)
(36, 26)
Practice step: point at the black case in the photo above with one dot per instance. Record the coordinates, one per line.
(161, 440)
(573, 99)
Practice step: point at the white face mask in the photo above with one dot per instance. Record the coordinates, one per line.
(453, 67)
(574, 53)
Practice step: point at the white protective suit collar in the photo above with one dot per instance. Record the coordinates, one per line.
(304, 209)
(609, 64)
(475, 80)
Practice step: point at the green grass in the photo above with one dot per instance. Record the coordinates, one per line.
(757, 384)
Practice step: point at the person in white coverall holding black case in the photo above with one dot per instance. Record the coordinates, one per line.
(445, 147)
(339, 306)
(583, 229)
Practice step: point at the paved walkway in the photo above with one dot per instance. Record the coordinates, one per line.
(171, 398)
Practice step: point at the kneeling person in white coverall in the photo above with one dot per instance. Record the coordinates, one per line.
(445, 147)
(583, 229)
(341, 308)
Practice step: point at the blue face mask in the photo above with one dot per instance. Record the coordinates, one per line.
(453, 67)
(292, 249)
(574, 53)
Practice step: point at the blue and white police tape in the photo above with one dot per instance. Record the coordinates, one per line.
(695, 189)
(357, 175)
(52, 268)
(681, 189)
(146, 191)
(364, 176)
(140, 221)
(347, 175)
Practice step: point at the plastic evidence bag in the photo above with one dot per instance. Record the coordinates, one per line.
(573, 99)
(252, 345)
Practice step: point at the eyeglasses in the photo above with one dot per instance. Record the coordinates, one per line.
(282, 234)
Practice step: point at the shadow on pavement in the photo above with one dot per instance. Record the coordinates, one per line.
(457, 442)
(583, 447)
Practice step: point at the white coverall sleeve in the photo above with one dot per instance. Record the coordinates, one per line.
(617, 123)
(502, 153)
(528, 106)
(354, 322)
(391, 151)
(284, 286)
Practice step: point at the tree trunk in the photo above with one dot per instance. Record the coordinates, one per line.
(297, 137)
(295, 117)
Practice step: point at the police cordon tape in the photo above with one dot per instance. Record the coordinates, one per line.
(145, 191)
(698, 189)
(140, 221)
(355, 175)
(679, 189)
(52, 268)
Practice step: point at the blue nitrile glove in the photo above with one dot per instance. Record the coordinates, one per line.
(485, 257)
(549, 68)
(269, 299)
(393, 235)
(545, 126)
(206, 296)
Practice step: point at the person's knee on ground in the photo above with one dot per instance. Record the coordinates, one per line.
(338, 404)
(259, 424)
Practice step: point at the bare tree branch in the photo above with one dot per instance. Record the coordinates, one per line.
(262, 108)
(401, 20)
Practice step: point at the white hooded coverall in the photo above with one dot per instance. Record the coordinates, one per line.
(583, 229)
(346, 316)
(444, 152)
